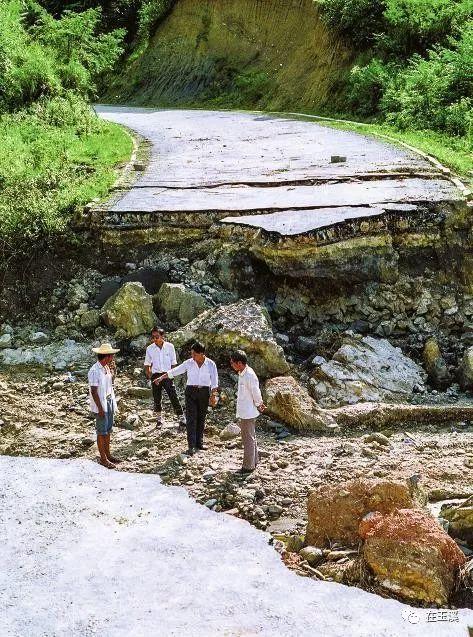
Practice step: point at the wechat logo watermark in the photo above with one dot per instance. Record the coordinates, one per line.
(417, 616)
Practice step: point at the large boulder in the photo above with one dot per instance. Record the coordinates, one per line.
(178, 304)
(335, 511)
(130, 309)
(435, 365)
(412, 556)
(243, 325)
(465, 371)
(366, 369)
(58, 355)
(460, 520)
(289, 402)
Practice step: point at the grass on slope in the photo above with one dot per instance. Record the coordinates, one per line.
(49, 170)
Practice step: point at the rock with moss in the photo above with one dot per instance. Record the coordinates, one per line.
(460, 520)
(465, 372)
(130, 309)
(244, 325)
(177, 304)
(90, 319)
(435, 365)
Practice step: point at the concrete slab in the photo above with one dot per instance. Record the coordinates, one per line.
(242, 198)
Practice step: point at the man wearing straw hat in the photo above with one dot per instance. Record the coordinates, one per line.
(102, 401)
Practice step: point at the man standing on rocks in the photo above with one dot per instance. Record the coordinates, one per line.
(201, 391)
(249, 406)
(102, 401)
(161, 358)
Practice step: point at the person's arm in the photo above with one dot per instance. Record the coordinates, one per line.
(95, 395)
(173, 356)
(176, 371)
(256, 394)
(213, 378)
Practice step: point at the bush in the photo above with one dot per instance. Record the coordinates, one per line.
(413, 26)
(367, 85)
(435, 92)
(56, 153)
(356, 20)
(41, 56)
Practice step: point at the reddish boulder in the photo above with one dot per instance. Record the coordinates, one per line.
(335, 511)
(412, 556)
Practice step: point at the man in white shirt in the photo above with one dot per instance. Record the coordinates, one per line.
(102, 401)
(201, 390)
(161, 358)
(249, 406)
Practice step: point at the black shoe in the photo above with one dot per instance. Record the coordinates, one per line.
(190, 452)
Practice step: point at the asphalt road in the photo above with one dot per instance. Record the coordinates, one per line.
(252, 166)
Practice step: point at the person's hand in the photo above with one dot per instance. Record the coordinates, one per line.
(213, 400)
(101, 413)
(160, 379)
(261, 407)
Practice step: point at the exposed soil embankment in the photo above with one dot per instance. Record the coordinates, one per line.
(271, 52)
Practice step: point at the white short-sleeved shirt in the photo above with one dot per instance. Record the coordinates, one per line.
(101, 377)
(249, 394)
(204, 376)
(160, 359)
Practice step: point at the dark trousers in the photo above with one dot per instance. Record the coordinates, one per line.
(168, 386)
(197, 405)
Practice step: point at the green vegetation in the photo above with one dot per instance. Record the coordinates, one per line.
(415, 70)
(56, 154)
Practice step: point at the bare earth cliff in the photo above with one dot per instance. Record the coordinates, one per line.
(203, 47)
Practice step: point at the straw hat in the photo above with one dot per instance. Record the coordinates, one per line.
(105, 348)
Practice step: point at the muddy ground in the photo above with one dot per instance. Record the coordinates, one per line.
(44, 414)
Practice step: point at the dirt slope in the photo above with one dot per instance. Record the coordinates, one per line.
(268, 53)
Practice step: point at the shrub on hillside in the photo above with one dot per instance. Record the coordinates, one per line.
(436, 92)
(367, 85)
(356, 20)
(41, 56)
(413, 26)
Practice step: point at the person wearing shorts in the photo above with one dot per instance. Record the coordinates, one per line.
(102, 401)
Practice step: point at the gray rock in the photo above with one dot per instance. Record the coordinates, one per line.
(365, 369)
(312, 555)
(139, 392)
(6, 329)
(58, 355)
(39, 338)
(228, 433)
(5, 340)
(244, 325)
(274, 510)
(140, 343)
(305, 345)
(90, 319)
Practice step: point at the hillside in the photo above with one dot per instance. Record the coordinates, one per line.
(270, 53)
